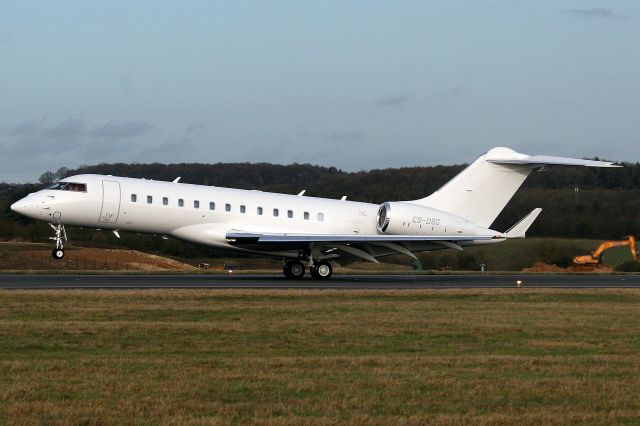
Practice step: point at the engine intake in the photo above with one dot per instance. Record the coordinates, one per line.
(383, 217)
(403, 218)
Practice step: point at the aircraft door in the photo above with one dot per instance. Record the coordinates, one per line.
(110, 202)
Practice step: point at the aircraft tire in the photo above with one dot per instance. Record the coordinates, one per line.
(293, 270)
(322, 270)
(57, 254)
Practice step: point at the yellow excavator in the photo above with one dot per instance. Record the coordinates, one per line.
(596, 256)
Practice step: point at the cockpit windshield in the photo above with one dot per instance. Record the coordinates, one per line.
(69, 186)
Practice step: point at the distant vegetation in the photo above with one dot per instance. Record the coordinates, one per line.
(577, 202)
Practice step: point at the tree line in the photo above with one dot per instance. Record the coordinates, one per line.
(577, 202)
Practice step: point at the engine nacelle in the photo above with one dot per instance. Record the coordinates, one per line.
(402, 218)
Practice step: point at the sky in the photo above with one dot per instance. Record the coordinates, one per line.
(352, 84)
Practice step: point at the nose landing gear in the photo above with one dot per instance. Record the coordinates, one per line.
(60, 236)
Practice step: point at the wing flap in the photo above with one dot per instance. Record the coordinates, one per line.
(250, 237)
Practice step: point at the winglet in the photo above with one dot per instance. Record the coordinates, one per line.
(520, 228)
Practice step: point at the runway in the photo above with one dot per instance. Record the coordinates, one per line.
(341, 282)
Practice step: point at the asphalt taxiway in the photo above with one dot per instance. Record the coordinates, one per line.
(382, 282)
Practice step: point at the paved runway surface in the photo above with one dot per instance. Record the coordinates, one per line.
(338, 282)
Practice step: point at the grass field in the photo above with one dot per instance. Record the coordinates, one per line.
(518, 356)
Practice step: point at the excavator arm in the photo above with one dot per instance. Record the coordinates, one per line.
(595, 257)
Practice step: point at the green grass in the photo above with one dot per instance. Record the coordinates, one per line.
(315, 357)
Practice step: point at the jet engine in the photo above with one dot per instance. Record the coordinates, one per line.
(403, 218)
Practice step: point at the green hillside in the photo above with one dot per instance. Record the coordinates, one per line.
(578, 203)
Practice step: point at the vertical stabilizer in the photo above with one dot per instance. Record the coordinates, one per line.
(482, 190)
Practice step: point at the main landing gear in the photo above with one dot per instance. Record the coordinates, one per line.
(294, 270)
(60, 236)
(321, 270)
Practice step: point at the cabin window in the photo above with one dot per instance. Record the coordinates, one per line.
(306, 215)
(320, 217)
(212, 205)
(149, 199)
(259, 211)
(196, 204)
(134, 198)
(180, 202)
(227, 207)
(290, 214)
(243, 209)
(165, 201)
(276, 212)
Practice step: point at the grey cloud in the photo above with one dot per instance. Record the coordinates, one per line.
(394, 101)
(595, 13)
(170, 150)
(68, 129)
(121, 131)
(198, 125)
(68, 140)
(38, 147)
(26, 128)
(280, 153)
(446, 95)
(345, 136)
(125, 84)
(4, 37)
(34, 139)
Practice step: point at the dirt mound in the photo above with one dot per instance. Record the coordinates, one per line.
(545, 267)
(38, 257)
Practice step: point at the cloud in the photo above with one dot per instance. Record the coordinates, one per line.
(67, 140)
(345, 136)
(126, 130)
(68, 129)
(4, 37)
(26, 128)
(171, 150)
(595, 13)
(34, 138)
(198, 125)
(446, 95)
(126, 84)
(394, 101)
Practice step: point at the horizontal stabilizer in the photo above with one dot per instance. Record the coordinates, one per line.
(552, 161)
(520, 228)
(482, 190)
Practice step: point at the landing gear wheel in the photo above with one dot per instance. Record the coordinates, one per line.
(60, 237)
(321, 270)
(293, 270)
(57, 254)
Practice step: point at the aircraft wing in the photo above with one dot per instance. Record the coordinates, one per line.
(347, 248)
(250, 237)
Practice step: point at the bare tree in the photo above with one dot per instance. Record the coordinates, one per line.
(47, 178)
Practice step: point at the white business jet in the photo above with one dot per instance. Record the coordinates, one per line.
(301, 230)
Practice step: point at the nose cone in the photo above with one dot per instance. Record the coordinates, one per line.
(16, 207)
(21, 206)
